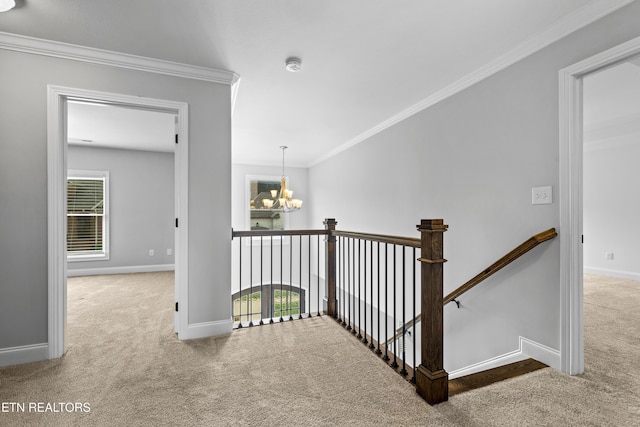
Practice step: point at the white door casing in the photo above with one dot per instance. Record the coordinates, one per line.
(571, 181)
(56, 190)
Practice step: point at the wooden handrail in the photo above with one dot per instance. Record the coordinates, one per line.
(382, 238)
(275, 233)
(522, 249)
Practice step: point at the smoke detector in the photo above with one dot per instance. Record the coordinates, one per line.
(293, 64)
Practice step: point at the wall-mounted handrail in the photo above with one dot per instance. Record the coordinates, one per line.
(522, 249)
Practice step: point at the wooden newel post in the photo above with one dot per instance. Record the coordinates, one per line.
(330, 265)
(432, 381)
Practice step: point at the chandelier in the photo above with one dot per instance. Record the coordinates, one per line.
(282, 201)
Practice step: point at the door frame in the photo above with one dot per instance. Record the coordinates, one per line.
(571, 215)
(56, 202)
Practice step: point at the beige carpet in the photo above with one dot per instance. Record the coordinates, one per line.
(125, 362)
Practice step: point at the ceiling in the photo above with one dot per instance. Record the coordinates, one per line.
(101, 125)
(612, 102)
(364, 62)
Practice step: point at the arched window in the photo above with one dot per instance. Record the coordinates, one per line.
(285, 301)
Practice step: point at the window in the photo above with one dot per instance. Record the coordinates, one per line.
(285, 301)
(87, 215)
(260, 188)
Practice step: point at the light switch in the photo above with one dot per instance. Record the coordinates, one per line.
(542, 195)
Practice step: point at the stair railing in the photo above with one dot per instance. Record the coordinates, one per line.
(283, 259)
(516, 253)
(507, 259)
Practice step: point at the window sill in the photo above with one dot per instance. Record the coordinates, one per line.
(92, 257)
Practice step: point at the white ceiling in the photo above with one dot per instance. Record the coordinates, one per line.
(363, 61)
(100, 125)
(612, 102)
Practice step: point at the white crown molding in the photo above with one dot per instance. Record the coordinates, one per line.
(613, 143)
(559, 29)
(614, 128)
(19, 43)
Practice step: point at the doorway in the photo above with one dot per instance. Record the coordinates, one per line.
(58, 101)
(571, 199)
(120, 195)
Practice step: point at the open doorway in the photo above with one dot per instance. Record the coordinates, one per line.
(611, 136)
(571, 198)
(59, 100)
(120, 206)
(611, 154)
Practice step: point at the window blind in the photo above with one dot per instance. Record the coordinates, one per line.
(85, 216)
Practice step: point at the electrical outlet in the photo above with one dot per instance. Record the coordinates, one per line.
(151, 252)
(542, 195)
(169, 251)
(608, 255)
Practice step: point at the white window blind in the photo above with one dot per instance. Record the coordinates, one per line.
(87, 215)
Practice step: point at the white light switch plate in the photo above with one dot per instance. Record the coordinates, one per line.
(541, 195)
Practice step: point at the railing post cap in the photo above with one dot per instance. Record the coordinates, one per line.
(330, 221)
(432, 224)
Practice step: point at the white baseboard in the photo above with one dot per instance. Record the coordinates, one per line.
(218, 328)
(24, 354)
(540, 352)
(120, 270)
(528, 349)
(494, 362)
(612, 273)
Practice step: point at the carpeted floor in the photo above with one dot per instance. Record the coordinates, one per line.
(125, 363)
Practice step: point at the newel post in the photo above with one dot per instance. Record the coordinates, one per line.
(330, 265)
(432, 381)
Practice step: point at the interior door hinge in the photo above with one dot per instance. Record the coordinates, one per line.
(176, 222)
(176, 305)
(176, 138)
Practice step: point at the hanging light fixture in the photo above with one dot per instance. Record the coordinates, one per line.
(282, 201)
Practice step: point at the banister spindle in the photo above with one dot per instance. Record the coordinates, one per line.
(263, 306)
(240, 282)
(300, 299)
(272, 292)
(371, 344)
(432, 381)
(330, 265)
(343, 281)
(359, 306)
(250, 281)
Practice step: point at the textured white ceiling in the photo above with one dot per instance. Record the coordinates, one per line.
(363, 61)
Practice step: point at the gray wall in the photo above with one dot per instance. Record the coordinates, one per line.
(141, 205)
(23, 189)
(612, 207)
(297, 180)
(472, 159)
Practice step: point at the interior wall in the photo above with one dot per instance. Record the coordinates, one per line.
(473, 159)
(611, 210)
(297, 180)
(23, 193)
(141, 207)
